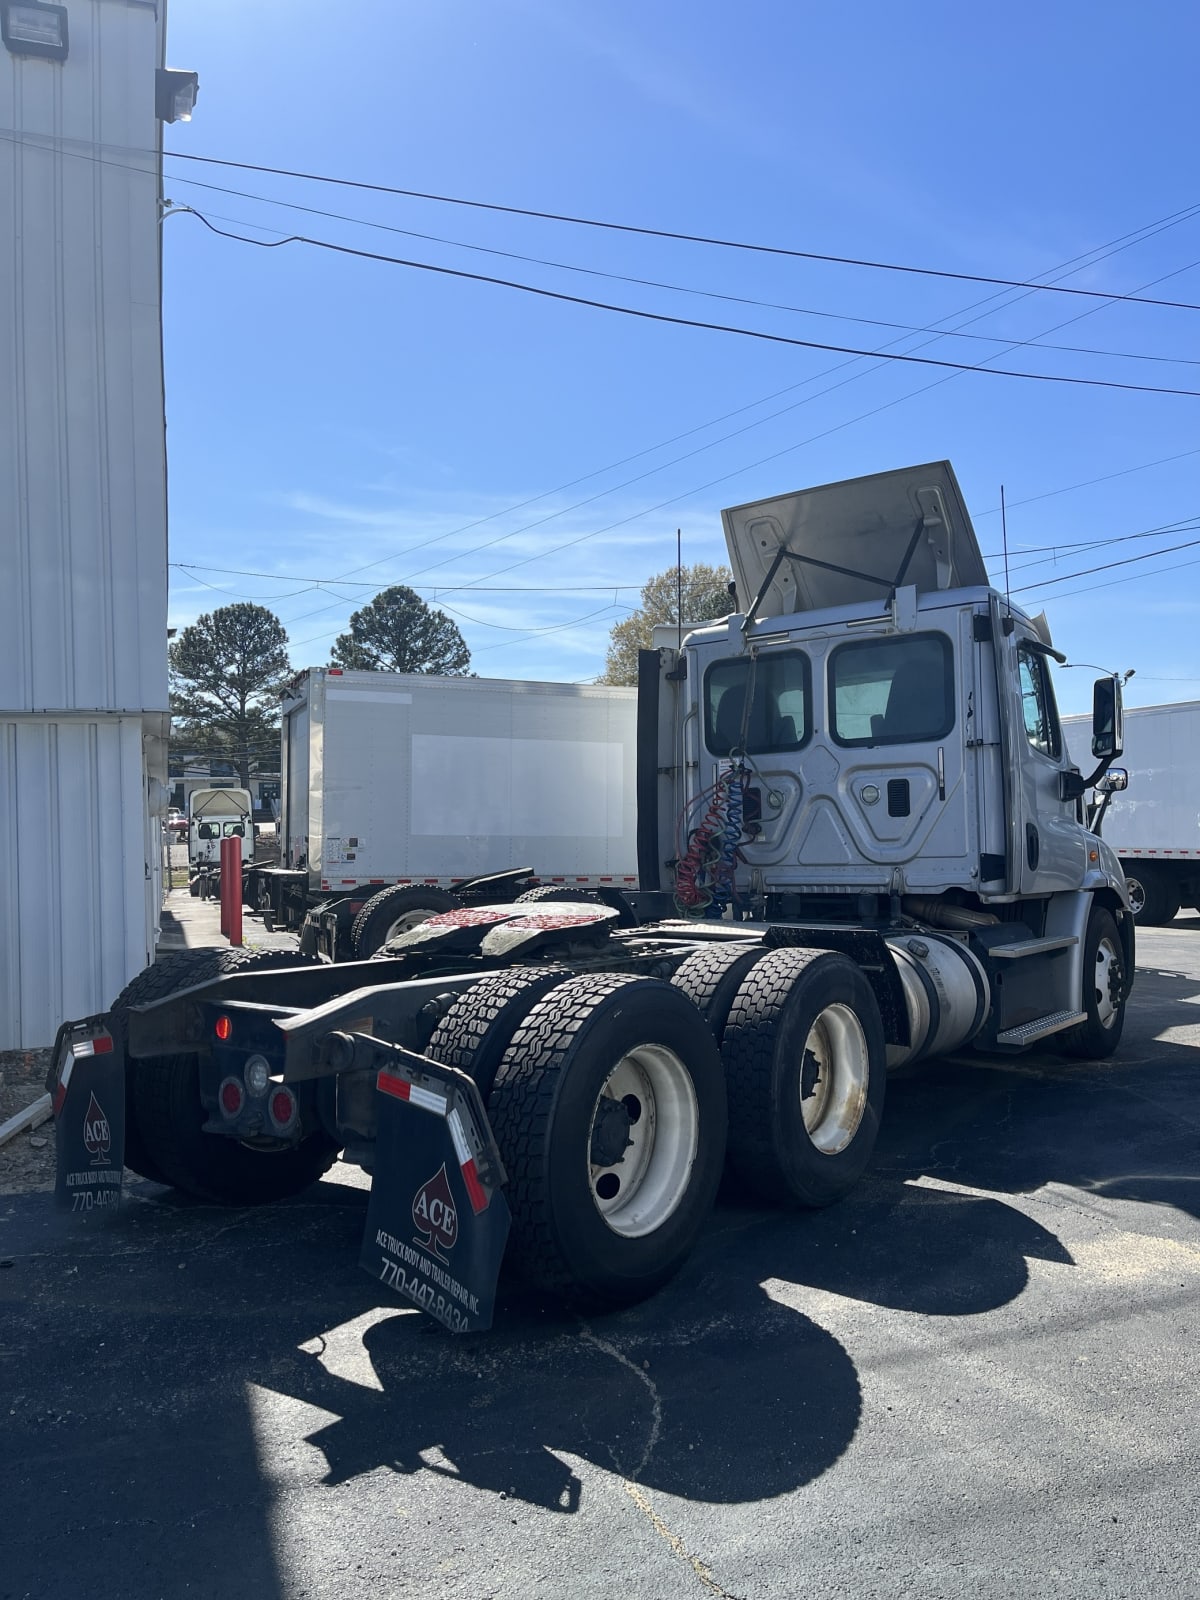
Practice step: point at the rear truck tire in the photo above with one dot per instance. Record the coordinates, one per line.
(194, 888)
(1104, 989)
(806, 1070)
(164, 1115)
(393, 911)
(559, 891)
(1153, 898)
(712, 978)
(479, 1026)
(609, 1112)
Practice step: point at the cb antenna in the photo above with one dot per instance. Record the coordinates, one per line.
(679, 588)
(1004, 536)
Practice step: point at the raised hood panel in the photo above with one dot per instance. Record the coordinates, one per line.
(858, 540)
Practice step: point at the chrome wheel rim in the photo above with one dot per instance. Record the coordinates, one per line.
(642, 1142)
(1107, 979)
(1137, 896)
(834, 1076)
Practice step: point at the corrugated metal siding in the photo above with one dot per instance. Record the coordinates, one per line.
(75, 882)
(83, 555)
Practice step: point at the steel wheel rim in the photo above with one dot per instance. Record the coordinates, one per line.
(410, 919)
(1137, 895)
(1108, 971)
(834, 1077)
(639, 1192)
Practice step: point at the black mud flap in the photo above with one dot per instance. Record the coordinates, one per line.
(87, 1086)
(437, 1222)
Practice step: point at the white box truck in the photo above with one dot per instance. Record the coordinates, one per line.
(402, 791)
(1154, 824)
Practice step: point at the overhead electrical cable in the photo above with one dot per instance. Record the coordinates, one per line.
(658, 283)
(685, 238)
(690, 322)
(606, 225)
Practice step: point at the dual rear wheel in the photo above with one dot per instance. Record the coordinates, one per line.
(616, 1099)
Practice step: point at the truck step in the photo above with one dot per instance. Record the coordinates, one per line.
(1040, 1027)
(1032, 947)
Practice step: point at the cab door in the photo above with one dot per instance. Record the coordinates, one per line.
(1051, 844)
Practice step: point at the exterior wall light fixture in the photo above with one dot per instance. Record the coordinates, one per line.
(31, 28)
(175, 94)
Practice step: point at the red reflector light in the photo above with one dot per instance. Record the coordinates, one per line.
(231, 1096)
(283, 1107)
(224, 1027)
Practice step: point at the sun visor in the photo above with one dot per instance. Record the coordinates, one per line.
(845, 543)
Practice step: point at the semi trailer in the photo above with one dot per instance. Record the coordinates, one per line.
(861, 842)
(405, 794)
(1153, 824)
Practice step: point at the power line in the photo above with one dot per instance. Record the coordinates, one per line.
(318, 583)
(1107, 566)
(692, 322)
(1088, 483)
(605, 225)
(1179, 525)
(658, 283)
(837, 427)
(685, 238)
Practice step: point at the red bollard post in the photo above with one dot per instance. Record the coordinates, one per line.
(224, 861)
(235, 892)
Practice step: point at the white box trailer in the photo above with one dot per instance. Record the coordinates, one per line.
(1154, 825)
(411, 779)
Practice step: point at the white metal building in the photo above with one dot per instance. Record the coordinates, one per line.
(83, 521)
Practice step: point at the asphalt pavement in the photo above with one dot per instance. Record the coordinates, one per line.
(974, 1377)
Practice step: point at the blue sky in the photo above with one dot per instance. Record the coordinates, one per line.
(334, 418)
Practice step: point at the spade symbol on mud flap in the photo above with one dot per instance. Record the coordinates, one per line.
(97, 1135)
(434, 1214)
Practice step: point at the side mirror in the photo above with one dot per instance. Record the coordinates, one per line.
(1113, 781)
(1107, 720)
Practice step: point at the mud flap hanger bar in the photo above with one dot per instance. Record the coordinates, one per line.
(319, 1042)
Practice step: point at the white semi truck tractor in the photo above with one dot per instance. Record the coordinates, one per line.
(861, 842)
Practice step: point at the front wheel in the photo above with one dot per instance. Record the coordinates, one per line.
(1104, 986)
(609, 1111)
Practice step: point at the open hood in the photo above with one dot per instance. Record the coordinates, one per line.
(845, 543)
(220, 802)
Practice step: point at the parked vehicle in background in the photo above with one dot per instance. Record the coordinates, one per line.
(177, 822)
(217, 814)
(404, 793)
(1154, 825)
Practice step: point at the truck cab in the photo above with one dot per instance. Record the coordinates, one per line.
(892, 723)
(217, 814)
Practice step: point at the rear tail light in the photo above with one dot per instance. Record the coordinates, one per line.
(224, 1027)
(284, 1109)
(233, 1097)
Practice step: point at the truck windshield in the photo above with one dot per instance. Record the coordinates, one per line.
(892, 691)
(778, 688)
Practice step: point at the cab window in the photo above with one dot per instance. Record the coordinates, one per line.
(758, 703)
(892, 691)
(1037, 702)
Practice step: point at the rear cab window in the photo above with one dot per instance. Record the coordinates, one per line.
(755, 704)
(892, 691)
